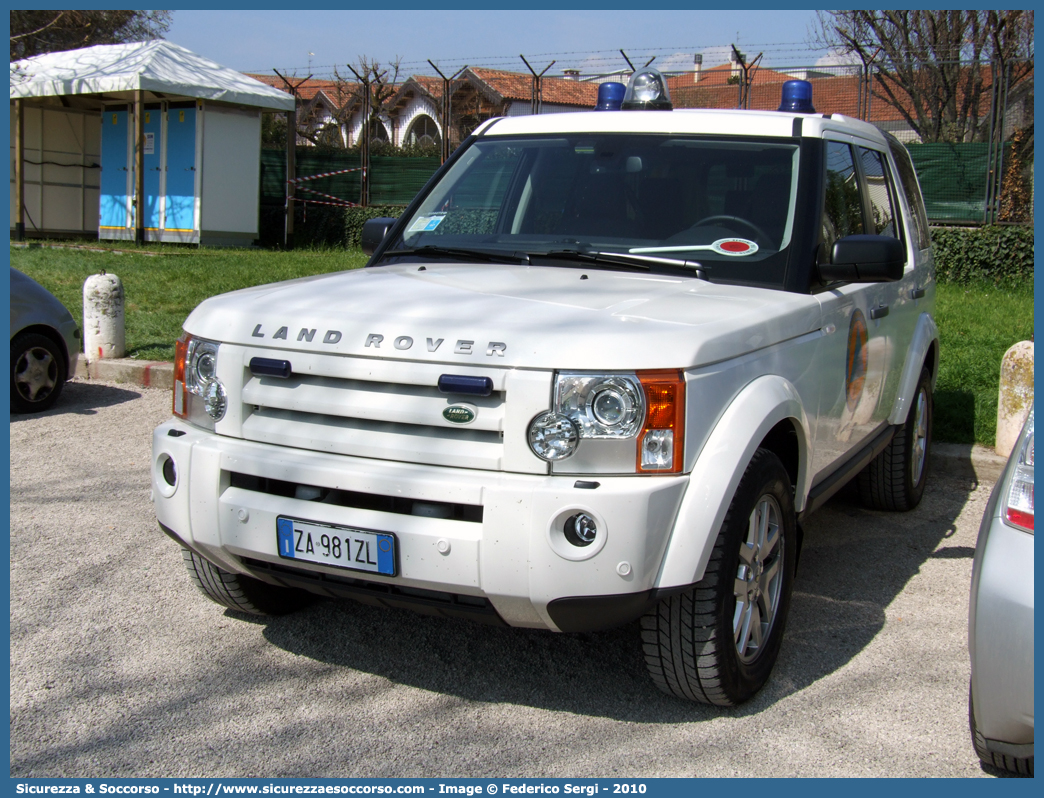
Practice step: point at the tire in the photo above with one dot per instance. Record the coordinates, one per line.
(38, 373)
(895, 479)
(242, 593)
(1023, 767)
(700, 645)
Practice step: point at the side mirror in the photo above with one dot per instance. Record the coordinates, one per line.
(865, 259)
(374, 231)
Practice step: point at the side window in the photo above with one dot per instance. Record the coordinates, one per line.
(881, 209)
(912, 191)
(843, 209)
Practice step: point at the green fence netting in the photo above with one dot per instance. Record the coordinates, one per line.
(396, 181)
(393, 180)
(953, 180)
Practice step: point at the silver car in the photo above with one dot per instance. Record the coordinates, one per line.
(45, 342)
(1001, 619)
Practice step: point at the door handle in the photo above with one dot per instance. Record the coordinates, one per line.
(879, 312)
(917, 293)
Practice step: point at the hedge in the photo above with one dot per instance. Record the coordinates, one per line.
(320, 225)
(999, 254)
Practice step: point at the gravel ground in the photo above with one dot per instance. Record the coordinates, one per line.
(119, 667)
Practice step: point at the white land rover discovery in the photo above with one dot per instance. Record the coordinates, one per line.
(597, 372)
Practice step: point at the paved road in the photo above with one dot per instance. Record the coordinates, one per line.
(120, 668)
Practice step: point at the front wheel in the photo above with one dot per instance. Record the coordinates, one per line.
(717, 642)
(242, 593)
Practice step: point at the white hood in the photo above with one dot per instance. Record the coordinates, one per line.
(513, 316)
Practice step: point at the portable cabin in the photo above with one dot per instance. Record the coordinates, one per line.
(77, 141)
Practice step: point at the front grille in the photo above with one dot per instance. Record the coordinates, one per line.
(383, 409)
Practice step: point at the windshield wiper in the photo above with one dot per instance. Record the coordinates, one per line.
(485, 255)
(644, 262)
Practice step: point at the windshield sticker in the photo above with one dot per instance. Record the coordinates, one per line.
(427, 223)
(734, 246)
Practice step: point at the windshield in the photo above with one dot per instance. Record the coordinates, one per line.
(725, 205)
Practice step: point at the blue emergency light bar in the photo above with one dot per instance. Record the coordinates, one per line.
(797, 97)
(610, 96)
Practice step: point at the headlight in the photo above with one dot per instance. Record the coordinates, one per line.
(199, 396)
(601, 405)
(636, 418)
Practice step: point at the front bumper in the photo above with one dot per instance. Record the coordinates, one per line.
(499, 537)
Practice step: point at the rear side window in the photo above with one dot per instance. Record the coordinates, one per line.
(882, 209)
(843, 209)
(912, 191)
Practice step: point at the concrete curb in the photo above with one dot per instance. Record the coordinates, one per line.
(985, 465)
(144, 373)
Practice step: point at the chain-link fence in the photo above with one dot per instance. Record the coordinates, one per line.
(968, 126)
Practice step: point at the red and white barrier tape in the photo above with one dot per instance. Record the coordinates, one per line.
(327, 174)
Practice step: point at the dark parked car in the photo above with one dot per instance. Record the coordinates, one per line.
(45, 342)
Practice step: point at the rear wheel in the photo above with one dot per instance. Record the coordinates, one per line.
(717, 642)
(895, 479)
(242, 593)
(1022, 766)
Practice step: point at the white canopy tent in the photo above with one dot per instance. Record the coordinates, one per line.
(156, 67)
(161, 74)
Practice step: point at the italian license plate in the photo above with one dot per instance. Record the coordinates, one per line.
(340, 546)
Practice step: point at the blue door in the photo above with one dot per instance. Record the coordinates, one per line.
(181, 168)
(112, 211)
(153, 130)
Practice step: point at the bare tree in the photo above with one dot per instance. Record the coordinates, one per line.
(937, 67)
(37, 32)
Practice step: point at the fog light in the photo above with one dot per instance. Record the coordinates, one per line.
(215, 400)
(553, 436)
(658, 450)
(170, 474)
(580, 529)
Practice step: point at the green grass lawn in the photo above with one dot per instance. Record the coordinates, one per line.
(161, 290)
(976, 323)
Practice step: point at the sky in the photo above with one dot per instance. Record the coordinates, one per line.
(314, 42)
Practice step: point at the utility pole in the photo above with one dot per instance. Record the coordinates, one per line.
(291, 159)
(19, 166)
(364, 139)
(747, 76)
(139, 167)
(447, 108)
(536, 101)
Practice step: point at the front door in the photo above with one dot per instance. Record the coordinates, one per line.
(860, 353)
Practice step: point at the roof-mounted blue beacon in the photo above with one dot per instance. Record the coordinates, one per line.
(797, 97)
(610, 96)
